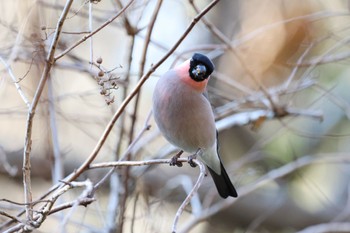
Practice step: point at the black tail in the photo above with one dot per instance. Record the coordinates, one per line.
(223, 183)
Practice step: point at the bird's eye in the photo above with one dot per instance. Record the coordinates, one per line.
(200, 72)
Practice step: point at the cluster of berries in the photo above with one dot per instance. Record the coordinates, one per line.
(107, 82)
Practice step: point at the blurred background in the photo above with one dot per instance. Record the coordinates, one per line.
(280, 94)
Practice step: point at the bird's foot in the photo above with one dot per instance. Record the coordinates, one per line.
(190, 160)
(174, 160)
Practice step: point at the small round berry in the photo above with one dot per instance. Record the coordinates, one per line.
(99, 60)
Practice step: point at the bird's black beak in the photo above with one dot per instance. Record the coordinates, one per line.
(199, 72)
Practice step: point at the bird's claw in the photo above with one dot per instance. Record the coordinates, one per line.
(190, 160)
(174, 160)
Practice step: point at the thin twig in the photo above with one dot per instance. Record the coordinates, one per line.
(295, 69)
(58, 166)
(133, 163)
(90, 30)
(335, 99)
(3, 213)
(84, 38)
(213, 29)
(148, 37)
(112, 209)
(81, 201)
(191, 194)
(318, 60)
(15, 81)
(29, 124)
(86, 193)
(146, 127)
(57, 161)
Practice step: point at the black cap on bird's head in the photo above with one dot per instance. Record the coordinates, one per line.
(200, 67)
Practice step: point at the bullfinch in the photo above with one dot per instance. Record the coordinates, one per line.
(184, 116)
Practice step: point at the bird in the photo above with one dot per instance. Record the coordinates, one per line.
(184, 116)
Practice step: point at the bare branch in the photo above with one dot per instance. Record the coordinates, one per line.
(58, 167)
(15, 81)
(84, 197)
(29, 124)
(190, 195)
(81, 201)
(84, 38)
(10, 216)
(132, 163)
(90, 30)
